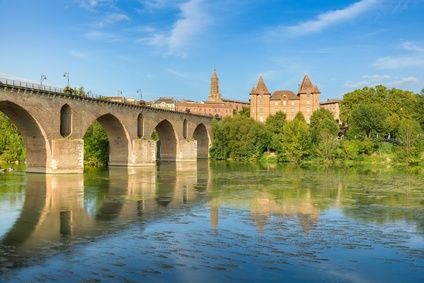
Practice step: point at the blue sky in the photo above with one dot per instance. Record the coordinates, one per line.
(170, 47)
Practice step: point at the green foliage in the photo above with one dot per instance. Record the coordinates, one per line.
(400, 103)
(96, 146)
(327, 144)
(245, 111)
(367, 121)
(351, 149)
(236, 138)
(12, 146)
(273, 132)
(323, 119)
(410, 135)
(296, 140)
(154, 136)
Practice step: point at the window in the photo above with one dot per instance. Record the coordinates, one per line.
(292, 110)
(284, 110)
(260, 110)
(308, 95)
(292, 103)
(307, 109)
(276, 110)
(261, 118)
(276, 102)
(308, 102)
(284, 102)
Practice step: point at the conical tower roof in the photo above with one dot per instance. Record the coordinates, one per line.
(306, 85)
(261, 87)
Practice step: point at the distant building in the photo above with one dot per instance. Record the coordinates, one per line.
(165, 103)
(213, 109)
(119, 99)
(263, 104)
(333, 106)
(215, 106)
(122, 99)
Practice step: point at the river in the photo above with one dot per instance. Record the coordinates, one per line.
(214, 222)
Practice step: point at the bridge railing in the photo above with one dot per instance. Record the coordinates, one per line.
(30, 85)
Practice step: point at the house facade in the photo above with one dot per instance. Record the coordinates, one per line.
(264, 104)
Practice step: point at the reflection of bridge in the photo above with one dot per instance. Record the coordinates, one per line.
(53, 125)
(57, 206)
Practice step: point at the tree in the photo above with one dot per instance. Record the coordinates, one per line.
(96, 146)
(296, 140)
(367, 121)
(394, 101)
(12, 147)
(245, 111)
(409, 134)
(273, 131)
(237, 138)
(327, 144)
(323, 119)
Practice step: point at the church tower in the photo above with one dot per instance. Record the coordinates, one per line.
(214, 95)
(259, 101)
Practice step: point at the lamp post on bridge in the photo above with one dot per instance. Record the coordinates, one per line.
(139, 91)
(43, 78)
(66, 75)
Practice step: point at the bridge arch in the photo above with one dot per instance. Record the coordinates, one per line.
(167, 145)
(140, 125)
(65, 120)
(36, 143)
(185, 129)
(118, 139)
(201, 135)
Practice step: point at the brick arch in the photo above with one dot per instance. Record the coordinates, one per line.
(167, 145)
(202, 137)
(36, 143)
(65, 120)
(118, 139)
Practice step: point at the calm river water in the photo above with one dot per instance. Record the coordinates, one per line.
(213, 222)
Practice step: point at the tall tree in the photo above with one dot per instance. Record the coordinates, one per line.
(296, 140)
(273, 131)
(410, 135)
(367, 121)
(323, 119)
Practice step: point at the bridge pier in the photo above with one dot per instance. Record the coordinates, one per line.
(187, 150)
(67, 156)
(143, 153)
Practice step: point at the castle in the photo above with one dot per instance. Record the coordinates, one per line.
(263, 104)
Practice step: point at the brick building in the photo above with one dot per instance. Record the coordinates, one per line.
(263, 104)
(333, 106)
(215, 105)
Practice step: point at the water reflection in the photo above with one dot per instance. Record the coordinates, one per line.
(58, 213)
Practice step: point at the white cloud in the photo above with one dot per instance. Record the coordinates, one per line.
(390, 62)
(192, 21)
(95, 35)
(92, 4)
(389, 81)
(331, 18)
(404, 82)
(414, 58)
(77, 54)
(111, 19)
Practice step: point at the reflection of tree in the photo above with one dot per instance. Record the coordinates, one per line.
(372, 194)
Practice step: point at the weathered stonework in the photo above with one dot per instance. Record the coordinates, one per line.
(53, 125)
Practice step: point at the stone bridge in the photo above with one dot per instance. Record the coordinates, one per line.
(53, 125)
